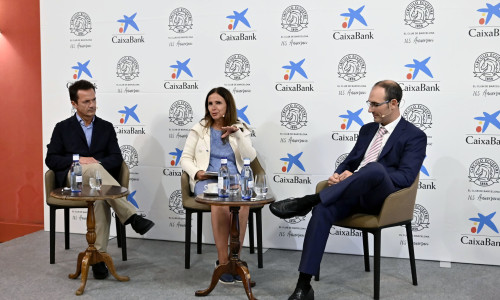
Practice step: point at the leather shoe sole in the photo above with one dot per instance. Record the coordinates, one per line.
(301, 294)
(290, 208)
(100, 270)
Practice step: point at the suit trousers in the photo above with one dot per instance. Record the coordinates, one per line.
(123, 209)
(362, 192)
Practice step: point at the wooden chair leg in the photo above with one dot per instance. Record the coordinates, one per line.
(199, 231)
(187, 241)
(258, 219)
(250, 232)
(376, 263)
(52, 235)
(366, 251)
(409, 236)
(66, 228)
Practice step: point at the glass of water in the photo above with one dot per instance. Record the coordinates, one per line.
(96, 181)
(234, 184)
(260, 185)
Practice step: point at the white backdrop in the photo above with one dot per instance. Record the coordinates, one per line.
(444, 53)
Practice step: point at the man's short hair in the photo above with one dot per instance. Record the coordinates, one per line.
(392, 89)
(79, 85)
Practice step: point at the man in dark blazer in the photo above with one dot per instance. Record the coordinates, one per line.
(387, 157)
(94, 139)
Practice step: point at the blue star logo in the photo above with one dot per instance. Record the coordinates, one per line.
(130, 198)
(492, 10)
(82, 68)
(485, 220)
(489, 119)
(241, 114)
(182, 67)
(129, 112)
(423, 169)
(296, 67)
(177, 154)
(128, 21)
(419, 66)
(353, 117)
(293, 160)
(239, 17)
(354, 15)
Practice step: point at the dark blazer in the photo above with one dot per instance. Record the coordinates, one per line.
(68, 138)
(402, 155)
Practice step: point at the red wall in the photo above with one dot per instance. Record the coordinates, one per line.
(21, 157)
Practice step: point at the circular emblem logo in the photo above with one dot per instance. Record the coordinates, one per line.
(180, 20)
(80, 24)
(295, 220)
(237, 67)
(130, 156)
(180, 113)
(340, 160)
(420, 218)
(352, 67)
(175, 203)
(483, 172)
(293, 116)
(294, 18)
(487, 66)
(127, 68)
(419, 14)
(419, 115)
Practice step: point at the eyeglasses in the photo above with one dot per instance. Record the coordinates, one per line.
(375, 104)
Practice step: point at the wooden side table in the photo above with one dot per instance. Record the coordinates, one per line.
(235, 265)
(91, 256)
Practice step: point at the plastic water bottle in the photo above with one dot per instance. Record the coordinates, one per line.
(76, 174)
(246, 180)
(223, 180)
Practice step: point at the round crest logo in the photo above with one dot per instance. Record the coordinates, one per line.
(180, 113)
(419, 14)
(483, 172)
(293, 116)
(487, 66)
(130, 156)
(352, 67)
(237, 67)
(80, 24)
(175, 203)
(294, 18)
(127, 68)
(419, 115)
(340, 160)
(420, 218)
(295, 220)
(180, 20)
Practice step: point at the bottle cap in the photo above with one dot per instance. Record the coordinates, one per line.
(76, 157)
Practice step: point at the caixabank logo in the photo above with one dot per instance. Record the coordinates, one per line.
(425, 83)
(487, 66)
(237, 67)
(129, 121)
(301, 83)
(341, 231)
(484, 172)
(294, 18)
(292, 163)
(175, 168)
(129, 32)
(182, 77)
(175, 203)
(427, 182)
(80, 24)
(242, 116)
(81, 68)
(485, 134)
(483, 231)
(354, 26)
(488, 20)
(180, 20)
(419, 14)
(131, 199)
(239, 28)
(351, 67)
(348, 120)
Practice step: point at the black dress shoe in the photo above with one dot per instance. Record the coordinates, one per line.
(302, 294)
(100, 270)
(139, 224)
(290, 207)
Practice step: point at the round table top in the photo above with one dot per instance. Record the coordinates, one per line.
(213, 199)
(89, 194)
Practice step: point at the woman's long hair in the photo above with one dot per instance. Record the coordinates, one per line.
(230, 116)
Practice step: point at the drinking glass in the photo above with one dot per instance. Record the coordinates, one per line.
(260, 185)
(92, 183)
(234, 184)
(98, 180)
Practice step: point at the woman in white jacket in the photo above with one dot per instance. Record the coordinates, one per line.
(219, 134)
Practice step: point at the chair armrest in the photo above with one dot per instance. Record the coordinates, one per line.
(124, 176)
(321, 185)
(399, 206)
(50, 182)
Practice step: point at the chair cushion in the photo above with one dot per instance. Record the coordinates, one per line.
(359, 221)
(190, 203)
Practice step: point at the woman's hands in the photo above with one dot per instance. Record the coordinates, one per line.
(228, 130)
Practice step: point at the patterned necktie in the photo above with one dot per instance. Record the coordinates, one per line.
(374, 150)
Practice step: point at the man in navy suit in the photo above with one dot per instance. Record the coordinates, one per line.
(387, 157)
(94, 139)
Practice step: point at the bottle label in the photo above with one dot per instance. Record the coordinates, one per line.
(220, 183)
(79, 178)
(250, 184)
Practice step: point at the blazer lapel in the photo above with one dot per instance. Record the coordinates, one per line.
(398, 131)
